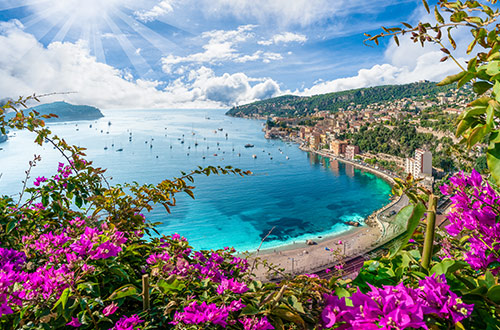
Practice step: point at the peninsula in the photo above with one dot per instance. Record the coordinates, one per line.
(68, 112)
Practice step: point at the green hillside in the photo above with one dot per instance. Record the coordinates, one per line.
(290, 105)
(69, 112)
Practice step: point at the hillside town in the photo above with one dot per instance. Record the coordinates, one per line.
(329, 131)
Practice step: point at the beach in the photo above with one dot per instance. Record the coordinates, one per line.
(300, 258)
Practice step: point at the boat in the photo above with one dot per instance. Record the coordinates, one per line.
(220, 129)
(254, 156)
(287, 158)
(121, 149)
(105, 148)
(249, 145)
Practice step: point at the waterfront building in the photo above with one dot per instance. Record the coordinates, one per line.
(351, 151)
(314, 140)
(420, 165)
(338, 147)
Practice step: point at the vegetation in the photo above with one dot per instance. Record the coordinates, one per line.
(68, 112)
(296, 106)
(76, 252)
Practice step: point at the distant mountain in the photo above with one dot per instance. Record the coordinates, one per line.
(295, 106)
(68, 112)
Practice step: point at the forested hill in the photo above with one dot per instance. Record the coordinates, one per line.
(69, 112)
(290, 105)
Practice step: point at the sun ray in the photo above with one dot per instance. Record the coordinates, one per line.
(36, 18)
(44, 30)
(138, 62)
(63, 32)
(9, 5)
(154, 38)
(85, 34)
(97, 46)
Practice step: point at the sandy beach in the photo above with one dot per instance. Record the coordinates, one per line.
(301, 258)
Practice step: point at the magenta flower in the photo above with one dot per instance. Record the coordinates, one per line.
(74, 322)
(255, 323)
(396, 307)
(110, 309)
(231, 285)
(128, 323)
(474, 213)
(196, 313)
(39, 180)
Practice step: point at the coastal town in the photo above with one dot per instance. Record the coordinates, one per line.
(331, 132)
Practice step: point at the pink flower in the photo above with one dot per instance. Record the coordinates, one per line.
(39, 180)
(110, 309)
(74, 322)
(127, 323)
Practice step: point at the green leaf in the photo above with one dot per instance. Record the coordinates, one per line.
(63, 299)
(494, 294)
(438, 16)
(471, 46)
(490, 117)
(476, 135)
(496, 90)
(288, 315)
(341, 292)
(474, 111)
(171, 286)
(447, 266)
(250, 310)
(296, 304)
(451, 79)
(464, 125)
(489, 279)
(426, 5)
(493, 68)
(465, 79)
(450, 38)
(10, 226)
(493, 157)
(458, 16)
(78, 201)
(410, 214)
(480, 87)
(124, 291)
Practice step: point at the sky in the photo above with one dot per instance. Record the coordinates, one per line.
(132, 54)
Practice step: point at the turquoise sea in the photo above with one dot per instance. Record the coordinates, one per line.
(304, 196)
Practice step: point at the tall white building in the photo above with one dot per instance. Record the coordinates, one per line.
(420, 165)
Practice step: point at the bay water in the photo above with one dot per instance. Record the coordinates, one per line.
(299, 194)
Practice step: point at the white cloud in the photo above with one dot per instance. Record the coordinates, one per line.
(406, 63)
(425, 67)
(27, 67)
(162, 8)
(226, 89)
(284, 38)
(221, 47)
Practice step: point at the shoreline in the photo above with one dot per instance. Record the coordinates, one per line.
(329, 250)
